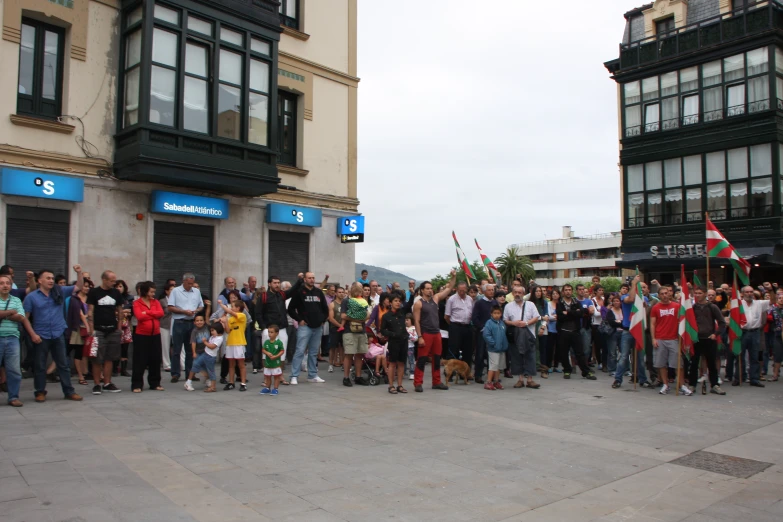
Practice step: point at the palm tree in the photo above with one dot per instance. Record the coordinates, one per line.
(511, 263)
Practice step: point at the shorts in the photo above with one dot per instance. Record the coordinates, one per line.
(235, 352)
(108, 346)
(204, 363)
(665, 356)
(397, 353)
(355, 343)
(497, 361)
(335, 338)
(273, 371)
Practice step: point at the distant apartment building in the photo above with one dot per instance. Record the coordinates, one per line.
(569, 257)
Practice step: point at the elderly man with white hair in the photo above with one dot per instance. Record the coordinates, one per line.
(755, 316)
(482, 311)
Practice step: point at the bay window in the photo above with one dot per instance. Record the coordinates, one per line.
(205, 77)
(737, 183)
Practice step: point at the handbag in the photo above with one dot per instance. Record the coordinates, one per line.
(90, 347)
(354, 327)
(605, 328)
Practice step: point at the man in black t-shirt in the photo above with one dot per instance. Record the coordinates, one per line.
(105, 308)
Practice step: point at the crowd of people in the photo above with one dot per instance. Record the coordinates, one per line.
(93, 331)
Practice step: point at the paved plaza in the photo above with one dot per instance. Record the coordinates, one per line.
(572, 450)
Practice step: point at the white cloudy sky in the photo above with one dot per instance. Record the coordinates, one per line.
(495, 119)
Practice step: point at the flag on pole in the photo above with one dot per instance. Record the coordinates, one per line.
(736, 319)
(463, 260)
(696, 280)
(717, 246)
(689, 331)
(638, 317)
(492, 270)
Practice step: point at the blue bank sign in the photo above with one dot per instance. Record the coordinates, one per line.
(351, 229)
(14, 182)
(292, 215)
(187, 205)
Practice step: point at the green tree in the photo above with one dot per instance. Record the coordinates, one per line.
(610, 284)
(510, 263)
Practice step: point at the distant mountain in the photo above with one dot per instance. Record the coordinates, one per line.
(383, 275)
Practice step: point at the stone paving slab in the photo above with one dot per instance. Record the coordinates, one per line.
(326, 452)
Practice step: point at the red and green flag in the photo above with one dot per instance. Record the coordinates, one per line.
(696, 280)
(492, 270)
(717, 246)
(736, 319)
(638, 317)
(463, 260)
(689, 331)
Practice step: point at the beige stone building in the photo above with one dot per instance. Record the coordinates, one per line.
(157, 137)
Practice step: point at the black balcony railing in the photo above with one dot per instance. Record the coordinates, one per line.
(708, 116)
(756, 18)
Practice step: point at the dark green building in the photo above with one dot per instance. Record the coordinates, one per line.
(700, 87)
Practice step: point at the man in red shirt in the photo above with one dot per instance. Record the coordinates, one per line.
(664, 330)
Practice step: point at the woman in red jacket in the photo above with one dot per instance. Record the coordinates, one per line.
(146, 341)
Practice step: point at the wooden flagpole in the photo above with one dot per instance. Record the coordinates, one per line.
(706, 252)
(679, 357)
(735, 291)
(634, 355)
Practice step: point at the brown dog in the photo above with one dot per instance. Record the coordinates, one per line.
(461, 368)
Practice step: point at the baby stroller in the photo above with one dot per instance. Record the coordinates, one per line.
(369, 361)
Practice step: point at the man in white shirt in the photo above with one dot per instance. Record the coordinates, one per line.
(523, 316)
(459, 310)
(184, 303)
(755, 316)
(375, 293)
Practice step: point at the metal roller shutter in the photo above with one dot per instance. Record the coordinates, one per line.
(179, 248)
(36, 239)
(289, 254)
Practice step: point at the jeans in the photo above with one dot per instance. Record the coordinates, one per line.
(180, 334)
(410, 366)
(612, 342)
(628, 343)
(57, 348)
(587, 342)
(10, 357)
(769, 339)
(307, 340)
(551, 348)
(708, 349)
(751, 342)
(205, 363)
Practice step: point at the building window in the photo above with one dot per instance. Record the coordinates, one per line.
(728, 87)
(286, 127)
(39, 90)
(662, 27)
(205, 77)
(289, 13)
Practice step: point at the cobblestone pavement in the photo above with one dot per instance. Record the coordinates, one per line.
(326, 452)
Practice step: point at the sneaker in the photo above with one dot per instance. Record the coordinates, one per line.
(361, 381)
(411, 377)
(175, 379)
(600, 366)
(111, 388)
(331, 369)
(440, 386)
(702, 378)
(646, 384)
(228, 387)
(255, 371)
(274, 393)
(316, 379)
(489, 386)
(243, 387)
(223, 380)
(479, 381)
(294, 381)
(590, 376)
(566, 375)
(628, 374)
(557, 370)
(347, 382)
(498, 386)
(264, 391)
(189, 387)
(717, 391)
(418, 389)
(664, 389)
(720, 381)
(96, 390)
(685, 391)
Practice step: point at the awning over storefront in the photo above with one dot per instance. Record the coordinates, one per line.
(661, 257)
